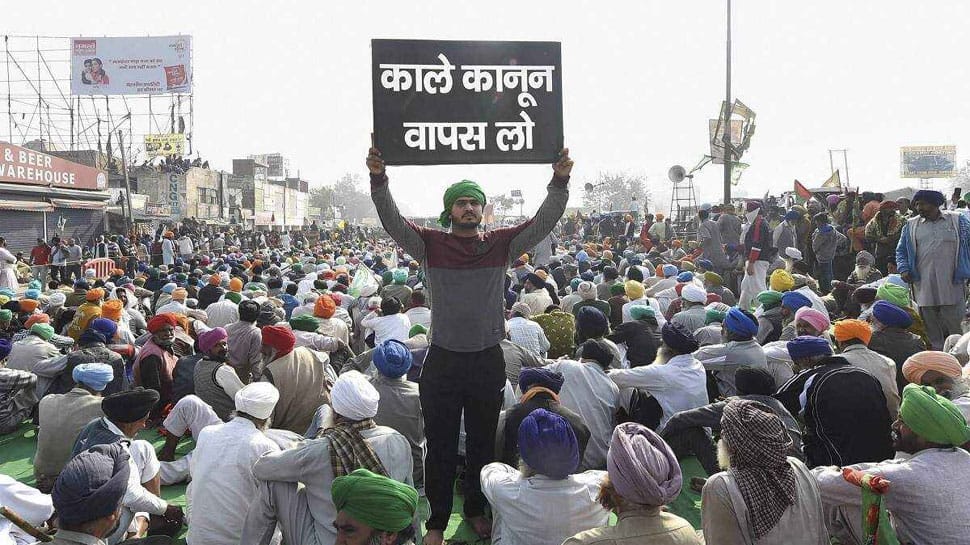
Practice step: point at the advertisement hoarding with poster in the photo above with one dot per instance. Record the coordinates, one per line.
(927, 161)
(131, 66)
(164, 144)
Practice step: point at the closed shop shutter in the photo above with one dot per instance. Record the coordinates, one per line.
(81, 225)
(22, 229)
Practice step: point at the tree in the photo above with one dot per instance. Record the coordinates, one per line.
(321, 197)
(616, 191)
(502, 203)
(354, 203)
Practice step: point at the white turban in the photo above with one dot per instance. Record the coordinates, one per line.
(57, 298)
(586, 290)
(694, 294)
(793, 253)
(353, 396)
(257, 399)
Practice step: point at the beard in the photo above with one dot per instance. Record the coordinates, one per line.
(959, 388)
(664, 353)
(467, 222)
(723, 455)
(862, 271)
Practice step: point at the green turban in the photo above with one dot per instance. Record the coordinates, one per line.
(932, 416)
(399, 276)
(770, 298)
(377, 501)
(464, 188)
(713, 315)
(234, 296)
(296, 267)
(305, 322)
(891, 293)
(6, 315)
(615, 289)
(386, 278)
(641, 311)
(44, 331)
(417, 329)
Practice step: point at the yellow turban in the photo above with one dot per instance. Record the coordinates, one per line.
(781, 280)
(634, 290)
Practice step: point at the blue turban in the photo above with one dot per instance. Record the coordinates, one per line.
(5, 346)
(93, 375)
(592, 321)
(169, 288)
(740, 323)
(582, 256)
(539, 376)
(92, 484)
(81, 284)
(32, 294)
(678, 337)
(934, 198)
(705, 264)
(685, 276)
(392, 358)
(897, 280)
(34, 285)
(587, 276)
(807, 347)
(792, 215)
(793, 300)
(104, 326)
(548, 444)
(669, 270)
(890, 315)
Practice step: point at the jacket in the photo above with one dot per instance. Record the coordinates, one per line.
(906, 249)
(824, 242)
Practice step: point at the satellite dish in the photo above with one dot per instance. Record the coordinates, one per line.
(588, 186)
(677, 174)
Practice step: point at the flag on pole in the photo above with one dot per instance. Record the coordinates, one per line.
(833, 181)
(700, 164)
(802, 191)
(736, 170)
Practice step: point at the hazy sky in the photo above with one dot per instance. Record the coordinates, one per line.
(640, 80)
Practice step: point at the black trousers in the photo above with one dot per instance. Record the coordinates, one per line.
(694, 441)
(453, 382)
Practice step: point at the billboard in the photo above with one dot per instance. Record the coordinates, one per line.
(25, 166)
(164, 144)
(927, 161)
(131, 66)
(462, 102)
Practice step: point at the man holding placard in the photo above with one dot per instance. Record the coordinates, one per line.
(464, 371)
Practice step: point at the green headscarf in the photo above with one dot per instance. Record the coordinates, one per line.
(464, 188)
(234, 296)
(933, 417)
(377, 501)
(305, 322)
(894, 294)
(770, 298)
(44, 331)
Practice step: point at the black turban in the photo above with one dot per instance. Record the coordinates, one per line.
(596, 349)
(540, 376)
(130, 406)
(754, 380)
(678, 337)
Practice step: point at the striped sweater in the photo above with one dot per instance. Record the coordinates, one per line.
(466, 275)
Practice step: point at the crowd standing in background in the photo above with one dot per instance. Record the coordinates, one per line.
(811, 357)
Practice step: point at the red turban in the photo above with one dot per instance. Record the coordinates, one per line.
(888, 205)
(156, 323)
(37, 319)
(279, 337)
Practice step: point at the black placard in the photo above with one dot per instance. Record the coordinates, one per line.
(503, 104)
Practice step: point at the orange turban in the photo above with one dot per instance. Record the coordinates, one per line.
(179, 294)
(846, 330)
(324, 307)
(29, 305)
(94, 295)
(931, 360)
(676, 243)
(169, 234)
(161, 320)
(215, 280)
(235, 285)
(37, 319)
(112, 310)
(524, 258)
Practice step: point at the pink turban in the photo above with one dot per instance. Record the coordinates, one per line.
(642, 467)
(208, 339)
(931, 360)
(814, 318)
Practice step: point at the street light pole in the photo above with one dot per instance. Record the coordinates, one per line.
(728, 156)
(124, 168)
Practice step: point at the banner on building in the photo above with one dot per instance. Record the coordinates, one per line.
(461, 102)
(164, 144)
(131, 66)
(158, 210)
(927, 161)
(25, 166)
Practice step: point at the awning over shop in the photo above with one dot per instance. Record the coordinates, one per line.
(26, 206)
(81, 205)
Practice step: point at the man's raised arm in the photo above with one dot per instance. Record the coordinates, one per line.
(400, 229)
(551, 210)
